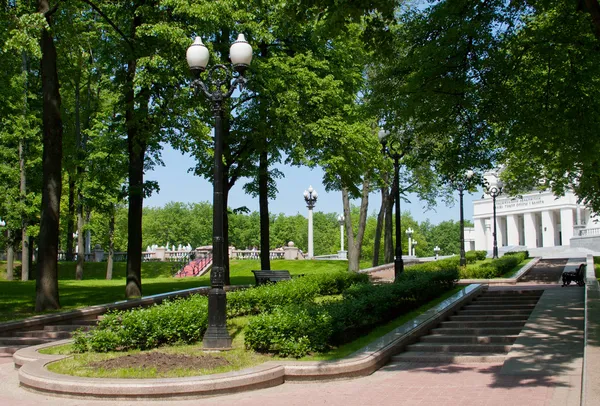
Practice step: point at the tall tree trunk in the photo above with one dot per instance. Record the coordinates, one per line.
(71, 218)
(388, 241)
(111, 245)
(379, 228)
(355, 243)
(80, 242)
(263, 196)
(47, 274)
(25, 263)
(10, 256)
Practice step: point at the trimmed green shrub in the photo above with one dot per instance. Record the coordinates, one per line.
(300, 329)
(177, 321)
(265, 298)
(525, 252)
(443, 264)
(494, 268)
(474, 256)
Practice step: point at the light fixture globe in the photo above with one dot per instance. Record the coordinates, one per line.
(197, 56)
(240, 53)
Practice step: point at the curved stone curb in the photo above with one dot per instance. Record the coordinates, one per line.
(35, 376)
(31, 354)
(504, 281)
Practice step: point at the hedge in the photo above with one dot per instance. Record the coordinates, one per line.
(265, 298)
(493, 269)
(185, 320)
(297, 330)
(177, 321)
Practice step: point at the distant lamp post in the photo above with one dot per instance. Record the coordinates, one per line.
(462, 184)
(409, 233)
(342, 253)
(220, 84)
(436, 251)
(414, 245)
(392, 149)
(310, 197)
(494, 186)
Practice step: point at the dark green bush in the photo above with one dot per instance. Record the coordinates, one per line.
(440, 265)
(299, 290)
(177, 321)
(525, 252)
(300, 329)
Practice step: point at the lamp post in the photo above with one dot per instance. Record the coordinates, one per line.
(436, 251)
(494, 188)
(219, 86)
(310, 197)
(461, 185)
(409, 233)
(414, 245)
(392, 150)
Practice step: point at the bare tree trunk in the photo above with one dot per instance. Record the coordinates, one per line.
(71, 218)
(111, 245)
(263, 196)
(10, 256)
(80, 242)
(355, 244)
(388, 242)
(379, 228)
(25, 263)
(47, 275)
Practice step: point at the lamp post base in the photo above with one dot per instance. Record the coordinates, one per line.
(398, 268)
(216, 336)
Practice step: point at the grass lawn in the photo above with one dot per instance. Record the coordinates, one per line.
(597, 266)
(516, 269)
(238, 357)
(17, 298)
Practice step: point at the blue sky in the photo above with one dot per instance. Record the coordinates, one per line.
(178, 185)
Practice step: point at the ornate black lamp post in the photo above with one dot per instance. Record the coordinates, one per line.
(392, 150)
(494, 188)
(220, 84)
(461, 185)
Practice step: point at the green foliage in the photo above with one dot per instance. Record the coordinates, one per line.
(363, 307)
(494, 268)
(299, 290)
(177, 321)
(473, 256)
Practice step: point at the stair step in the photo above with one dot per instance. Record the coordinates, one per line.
(473, 339)
(477, 331)
(415, 356)
(499, 306)
(11, 349)
(66, 327)
(513, 293)
(489, 317)
(494, 312)
(505, 300)
(85, 322)
(479, 324)
(26, 341)
(459, 348)
(44, 334)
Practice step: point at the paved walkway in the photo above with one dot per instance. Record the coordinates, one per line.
(543, 368)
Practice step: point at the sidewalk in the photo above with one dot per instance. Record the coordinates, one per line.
(543, 368)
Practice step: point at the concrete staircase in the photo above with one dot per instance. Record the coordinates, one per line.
(12, 341)
(482, 331)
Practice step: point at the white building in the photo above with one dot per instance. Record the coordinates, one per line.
(538, 219)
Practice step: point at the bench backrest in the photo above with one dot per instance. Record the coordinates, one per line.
(580, 270)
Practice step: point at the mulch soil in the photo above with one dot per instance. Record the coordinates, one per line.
(162, 362)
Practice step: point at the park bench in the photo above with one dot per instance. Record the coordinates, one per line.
(264, 277)
(574, 276)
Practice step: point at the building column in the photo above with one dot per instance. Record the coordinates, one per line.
(566, 226)
(548, 229)
(480, 237)
(512, 229)
(499, 230)
(529, 228)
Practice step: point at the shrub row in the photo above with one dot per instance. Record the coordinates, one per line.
(177, 321)
(265, 298)
(494, 268)
(185, 320)
(297, 330)
(473, 256)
